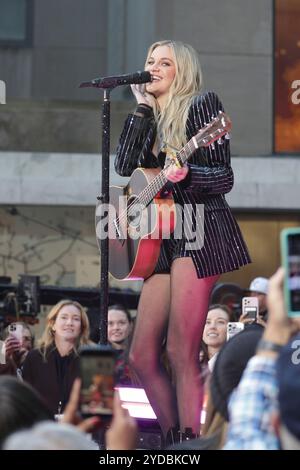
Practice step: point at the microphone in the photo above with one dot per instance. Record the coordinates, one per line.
(112, 82)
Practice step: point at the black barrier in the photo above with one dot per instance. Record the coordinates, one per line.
(50, 295)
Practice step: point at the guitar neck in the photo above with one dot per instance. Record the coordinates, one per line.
(214, 130)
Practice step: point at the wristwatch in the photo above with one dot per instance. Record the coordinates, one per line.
(264, 345)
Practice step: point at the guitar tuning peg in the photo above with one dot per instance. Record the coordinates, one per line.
(220, 141)
(227, 136)
(212, 146)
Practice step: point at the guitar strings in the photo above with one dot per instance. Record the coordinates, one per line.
(156, 184)
(151, 190)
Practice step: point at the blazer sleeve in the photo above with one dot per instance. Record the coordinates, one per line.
(137, 136)
(210, 171)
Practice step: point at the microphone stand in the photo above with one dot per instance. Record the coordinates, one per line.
(108, 84)
(104, 199)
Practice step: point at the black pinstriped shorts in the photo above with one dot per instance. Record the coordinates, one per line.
(224, 249)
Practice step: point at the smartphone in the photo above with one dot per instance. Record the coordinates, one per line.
(233, 328)
(97, 369)
(290, 255)
(250, 307)
(16, 330)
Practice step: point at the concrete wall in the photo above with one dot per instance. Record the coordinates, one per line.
(58, 126)
(75, 179)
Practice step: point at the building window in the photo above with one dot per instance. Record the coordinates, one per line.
(16, 22)
(287, 76)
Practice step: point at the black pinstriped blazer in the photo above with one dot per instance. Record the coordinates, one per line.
(210, 176)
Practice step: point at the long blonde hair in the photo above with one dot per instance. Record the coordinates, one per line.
(48, 338)
(186, 85)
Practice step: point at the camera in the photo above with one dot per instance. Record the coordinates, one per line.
(290, 255)
(22, 300)
(97, 370)
(28, 293)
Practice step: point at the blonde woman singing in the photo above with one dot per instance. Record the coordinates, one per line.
(175, 298)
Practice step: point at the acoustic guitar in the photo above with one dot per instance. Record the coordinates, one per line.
(141, 214)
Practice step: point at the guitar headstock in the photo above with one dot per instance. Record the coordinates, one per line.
(215, 129)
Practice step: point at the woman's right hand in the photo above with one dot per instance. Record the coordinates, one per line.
(141, 95)
(12, 346)
(244, 318)
(123, 431)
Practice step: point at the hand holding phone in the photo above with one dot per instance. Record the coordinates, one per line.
(290, 255)
(13, 342)
(71, 415)
(12, 346)
(123, 431)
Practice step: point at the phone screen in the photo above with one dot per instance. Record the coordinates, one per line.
(97, 368)
(293, 270)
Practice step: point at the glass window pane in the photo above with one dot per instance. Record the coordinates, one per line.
(12, 20)
(287, 74)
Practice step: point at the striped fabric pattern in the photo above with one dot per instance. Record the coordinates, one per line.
(209, 178)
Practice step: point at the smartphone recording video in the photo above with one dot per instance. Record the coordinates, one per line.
(97, 367)
(290, 254)
(250, 307)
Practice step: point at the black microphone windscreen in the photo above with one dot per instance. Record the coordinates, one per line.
(142, 77)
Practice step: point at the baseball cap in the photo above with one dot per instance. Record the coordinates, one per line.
(259, 284)
(288, 375)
